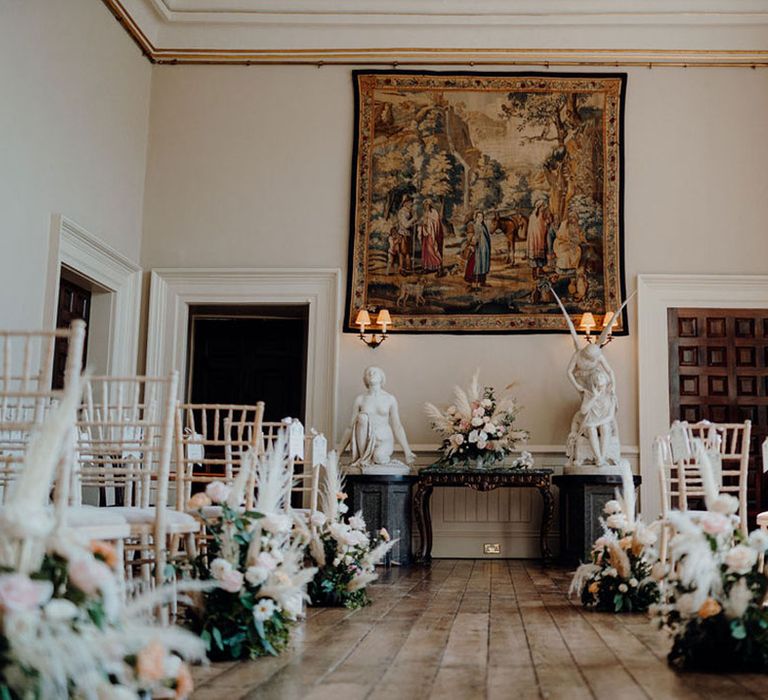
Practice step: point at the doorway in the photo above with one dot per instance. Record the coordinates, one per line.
(81, 298)
(244, 354)
(718, 371)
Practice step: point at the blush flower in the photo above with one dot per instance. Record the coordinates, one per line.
(18, 592)
(198, 501)
(741, 559)
(231, 581)
(217, 491)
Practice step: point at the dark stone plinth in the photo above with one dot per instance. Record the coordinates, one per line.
(386, 501)
(582, 499)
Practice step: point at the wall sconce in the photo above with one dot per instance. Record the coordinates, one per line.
(588, 324)
(383, 319)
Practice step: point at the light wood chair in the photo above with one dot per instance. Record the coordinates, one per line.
(306, 474)
(679, 475)
(124, 445)
(26, 396)
(210, 440)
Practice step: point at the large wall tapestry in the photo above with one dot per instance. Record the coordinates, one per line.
(472, 193)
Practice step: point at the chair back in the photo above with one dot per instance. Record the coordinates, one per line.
(680, 477)
(306, 471)
(210, 440)
(124, 440)
(26, 394)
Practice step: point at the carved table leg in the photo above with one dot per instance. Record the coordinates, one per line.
(547, 517)
(423, 522)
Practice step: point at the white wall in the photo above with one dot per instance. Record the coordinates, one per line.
(74, 110)
(250, 166)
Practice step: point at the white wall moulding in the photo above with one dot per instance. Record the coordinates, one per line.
(597, 32)
(657, 294)
(73, 246)
(172, 290)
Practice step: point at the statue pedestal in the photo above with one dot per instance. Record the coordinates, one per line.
(386, 501)
(582, 499)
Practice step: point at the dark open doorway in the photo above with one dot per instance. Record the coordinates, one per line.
(245, 354)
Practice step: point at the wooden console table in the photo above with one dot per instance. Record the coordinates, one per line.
(480, 480)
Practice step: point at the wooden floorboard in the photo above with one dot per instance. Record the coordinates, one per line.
(470, 629)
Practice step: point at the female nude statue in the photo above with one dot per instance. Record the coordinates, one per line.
(374, 427)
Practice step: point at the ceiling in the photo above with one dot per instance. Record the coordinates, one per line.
(552, 32)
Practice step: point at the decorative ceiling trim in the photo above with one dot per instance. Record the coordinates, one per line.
(425, 56)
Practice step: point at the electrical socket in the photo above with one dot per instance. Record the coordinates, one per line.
(494, 548)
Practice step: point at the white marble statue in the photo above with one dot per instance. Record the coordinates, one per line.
(375, 426)
(593, 442)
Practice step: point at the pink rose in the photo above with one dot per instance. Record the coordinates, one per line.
(19, 592)
(90, 575)
(217, 491)
(714, 523)
(266, 560)
(231, 581)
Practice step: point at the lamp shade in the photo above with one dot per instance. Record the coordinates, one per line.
(587, 321)
(384, 319)
(363, 318)
(607, 318)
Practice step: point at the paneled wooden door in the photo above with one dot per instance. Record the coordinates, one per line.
(718, 371)
(74, 303)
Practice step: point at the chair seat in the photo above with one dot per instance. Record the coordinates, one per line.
(142, 519)
(78, 516)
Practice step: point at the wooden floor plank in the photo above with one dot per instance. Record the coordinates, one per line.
(465, 630)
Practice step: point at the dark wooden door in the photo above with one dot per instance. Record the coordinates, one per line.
(718, 371)
(74, 303)
(250, 354)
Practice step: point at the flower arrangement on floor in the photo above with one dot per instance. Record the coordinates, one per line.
(345, 555)
(64, 630)
(618, 579)
(478, 429)
(713, 606)
(256, 558)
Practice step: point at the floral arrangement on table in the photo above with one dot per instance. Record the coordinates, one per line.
(618, 579)
(257, 559)
(478, 428)
(64, 630)
(713, 606)
(345, 555)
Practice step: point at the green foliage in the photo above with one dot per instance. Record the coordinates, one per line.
(330, 585)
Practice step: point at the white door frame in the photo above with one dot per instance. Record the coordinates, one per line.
(657, 294)
(172, 290)
(90, 257)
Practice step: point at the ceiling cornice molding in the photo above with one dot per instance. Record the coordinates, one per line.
(149, 23)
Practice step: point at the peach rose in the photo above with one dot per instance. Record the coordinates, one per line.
(105, 552)
(184, 684)
(709, 608)
(150, 663)
(198, 501)
(594, 587)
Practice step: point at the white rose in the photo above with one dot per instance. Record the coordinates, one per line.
(758, 540)
(725, 504)
(633, 582)
(612, 507)
(617, 521)
(487, 403)
(217, 491)
(276, 523)
(343, 508)
(266, 561)
(477, 421)
(256, 575)
(473, 435)
(623, 587)
(61, 610)
(357, 522)
(686, 604)
(740, 559)
(459, 438)
(318, 519)
(219, 568)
